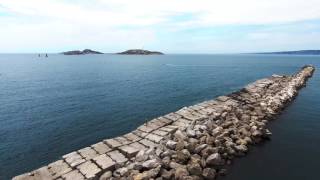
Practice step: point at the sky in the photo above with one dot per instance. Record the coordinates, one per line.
(170, 26)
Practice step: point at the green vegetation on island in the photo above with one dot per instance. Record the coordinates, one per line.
(140, 52)
(84, 52)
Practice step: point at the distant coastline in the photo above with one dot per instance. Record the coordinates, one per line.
(299, 52)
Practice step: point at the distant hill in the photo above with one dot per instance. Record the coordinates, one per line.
(140, 52)
(300, 52)
(84, 52)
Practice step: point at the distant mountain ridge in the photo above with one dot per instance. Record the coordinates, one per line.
(300, 52)
(140, 52)
(84, 52)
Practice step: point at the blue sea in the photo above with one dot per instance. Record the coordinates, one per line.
(52, 106)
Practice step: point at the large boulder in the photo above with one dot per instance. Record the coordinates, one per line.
(214, 159)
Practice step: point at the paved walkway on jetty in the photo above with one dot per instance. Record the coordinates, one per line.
(196, 142)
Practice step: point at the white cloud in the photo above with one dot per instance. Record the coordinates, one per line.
(121, 23)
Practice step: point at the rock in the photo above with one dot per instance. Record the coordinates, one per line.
(248, 140)
(141, 156)
(148, 174)
(210, 140)
(150, 164)
(165, 174)
(209, 173)
(267, 134)
(166, 162)
(180, 145)
(241, 148)
(230, 151)
(171, 144)
(138, 166)
(256, 133)
(174, 165)
(216, 131)
(167, 153)
(181, 173)
(214, 160)
(151, 151)
(191, 133)
(208, 151)
(120, 172)
(194, 169)
(241, 141)
(180, 136)
(195, 158)
(183, 156)
(200, 148)
(105, 176)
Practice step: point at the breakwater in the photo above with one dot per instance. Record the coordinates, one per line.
(194, 142)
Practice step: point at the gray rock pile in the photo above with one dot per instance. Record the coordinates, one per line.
(204, 148)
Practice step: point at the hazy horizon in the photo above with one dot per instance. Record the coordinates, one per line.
(177, 53)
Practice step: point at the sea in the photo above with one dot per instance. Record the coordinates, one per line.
(52, 106)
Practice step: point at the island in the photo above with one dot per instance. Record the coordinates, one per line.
(84, 52)
(140, 52)
(300, 52)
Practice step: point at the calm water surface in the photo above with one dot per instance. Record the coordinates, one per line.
(52, 106)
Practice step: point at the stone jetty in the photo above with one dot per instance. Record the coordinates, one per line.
(193, 143)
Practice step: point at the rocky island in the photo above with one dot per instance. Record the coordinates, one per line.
(140, 52)
(195, 142)
(84, 52)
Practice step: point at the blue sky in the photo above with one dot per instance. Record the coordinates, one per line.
(171, 26)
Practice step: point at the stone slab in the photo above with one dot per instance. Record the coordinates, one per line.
(146, 128)
(112, 143)
(138, 146)
(147, 143)
(140, 133)
(73, 175)
(73, 159)
(159, 132)
(117, 156)
(167, 129)
(156, 122)
(172, 116)
(122, 140)
(154, 138)
(58, 168)
(183, 120)
(180, 124)
(190, 116)
(172, 127)
(165, 120)
(89, 169)
(104, 162)
(132, 137)
(39, 174)
(222, 98)
(129, 151)
(88, 153)
(101, 148)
